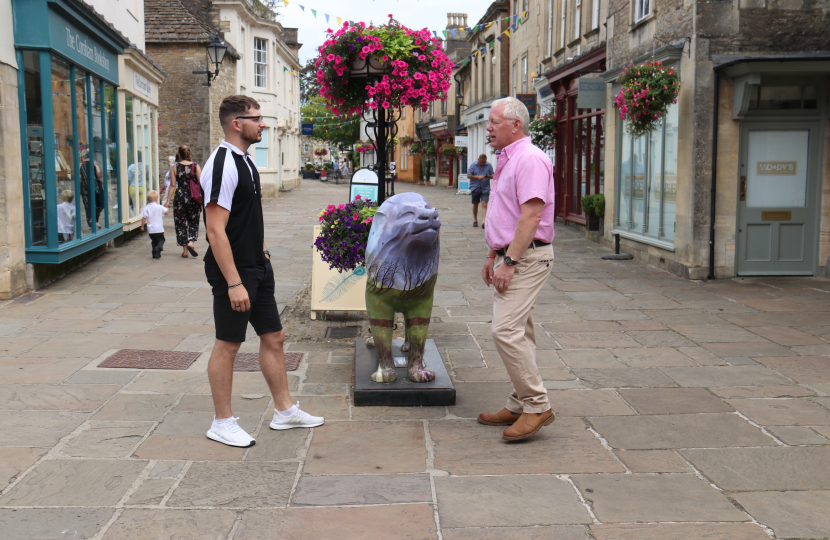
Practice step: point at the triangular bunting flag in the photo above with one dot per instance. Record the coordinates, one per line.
(453, 32)
(499, 38)
(514, 18)
(434, 33)
(513, 27)
(314, 12)
(507, 33)
(489, 24)
(301, 7)
(339, 23)
(286, 3)
(445, 33)
(327, 17)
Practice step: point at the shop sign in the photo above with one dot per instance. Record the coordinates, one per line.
(142, 85)
(592, 93)
(81, 48)
(461, 141)
(777, 168)
(308, 129)
(529, 101)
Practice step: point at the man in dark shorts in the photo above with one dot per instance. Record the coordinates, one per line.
(479, 175)
(238, 268)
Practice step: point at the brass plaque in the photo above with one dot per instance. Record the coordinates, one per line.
(777, 215)
(777, 168)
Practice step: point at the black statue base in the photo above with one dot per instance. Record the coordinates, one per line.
(403, 392)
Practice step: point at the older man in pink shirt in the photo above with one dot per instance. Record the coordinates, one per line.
(519, 232)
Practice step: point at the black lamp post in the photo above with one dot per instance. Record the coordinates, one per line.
(216, 50)
(384, 125)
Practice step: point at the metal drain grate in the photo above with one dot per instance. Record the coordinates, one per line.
(342, 332)
(250, 361)
(140, 359)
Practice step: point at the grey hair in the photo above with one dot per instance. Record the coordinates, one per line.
(514, 110)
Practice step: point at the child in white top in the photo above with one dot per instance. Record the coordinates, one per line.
(152, 216)
(66, 217)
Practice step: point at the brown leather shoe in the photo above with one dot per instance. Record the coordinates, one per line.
(528, 424)
(504, 417)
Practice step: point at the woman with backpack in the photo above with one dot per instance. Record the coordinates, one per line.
(187, 200)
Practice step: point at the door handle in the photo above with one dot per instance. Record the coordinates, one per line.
(743, 188)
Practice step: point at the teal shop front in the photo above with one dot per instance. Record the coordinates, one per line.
(68, 80)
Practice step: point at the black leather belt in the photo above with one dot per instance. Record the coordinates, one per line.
(536, 243)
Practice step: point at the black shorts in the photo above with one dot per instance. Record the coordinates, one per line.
(264, 315)
(479, 196)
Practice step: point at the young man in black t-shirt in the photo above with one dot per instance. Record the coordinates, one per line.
(238, 268)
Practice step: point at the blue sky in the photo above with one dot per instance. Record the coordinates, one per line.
(431, 14)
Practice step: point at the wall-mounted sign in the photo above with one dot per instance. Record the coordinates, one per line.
(142, 85)
(778, 168)
(82, 48)
(592, 93)
(530, 102)
(308, 129)
(461, 141)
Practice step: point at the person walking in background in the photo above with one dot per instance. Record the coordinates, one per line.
(165, 191)
(66, 217)
(98, 174)
(479, 175)
(151, 217)
(238, 268)
(186, 208)
(519, 234)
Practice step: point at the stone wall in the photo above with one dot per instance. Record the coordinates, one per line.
(188, 111)
(12, 247)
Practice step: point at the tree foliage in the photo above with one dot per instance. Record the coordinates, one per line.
(267, 9)
(331, 129)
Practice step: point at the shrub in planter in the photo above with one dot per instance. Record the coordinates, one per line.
(543, 131)
(416, 70)
(406, 141)
(344, 232)
(415, 148)
(647, 91)
(593, 206)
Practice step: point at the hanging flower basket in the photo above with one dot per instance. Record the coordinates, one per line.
(647, 91)
(543, 131)
(462, 151)
(406, 141)
(415, 148)
(344, 232)
(449, 150)
(321, 152)
(365, 148)
(429, 149)
(409, 66)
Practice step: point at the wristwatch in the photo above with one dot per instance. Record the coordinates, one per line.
(266, 252)
(508, 260)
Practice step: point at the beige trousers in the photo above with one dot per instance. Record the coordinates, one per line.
(513, 331)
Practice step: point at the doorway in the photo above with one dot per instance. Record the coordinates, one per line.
(779, 196)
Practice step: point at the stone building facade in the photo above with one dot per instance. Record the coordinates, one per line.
(736, 179)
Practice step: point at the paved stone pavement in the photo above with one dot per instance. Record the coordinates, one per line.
(685, 410)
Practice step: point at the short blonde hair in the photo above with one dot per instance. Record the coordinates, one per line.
(67, 196)
(153, 195)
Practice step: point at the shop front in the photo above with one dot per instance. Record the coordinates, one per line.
(70, 144)
(138, 122)
(579, 156)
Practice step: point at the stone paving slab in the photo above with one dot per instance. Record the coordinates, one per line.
(389, 522)
(791, 514)
(236, 485)
(166, 524)
(13, 461)
(467, 447)
(679, 431)
(679, 531)
(487, 501)
(136, 407)
(653, 461)
(106, 439)
(552, 532)
(53, 523)
(650, 498)
(804, 369)
(754, 469)
(782, 412)
(151, 492)
(38, 428)
(624, 377)
(673, 401)
(54, 397)
(351, 490)
(38, 370)
(710, 376)
(341, 448)
(74, 483)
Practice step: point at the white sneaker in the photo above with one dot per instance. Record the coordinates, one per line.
(230, 433)
(298, 419)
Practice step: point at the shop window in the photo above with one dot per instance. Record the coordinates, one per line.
(562, 20)
(493, 75)
(783, 97)
(647, 181)
(515, 77)
(98, 190)
(261, 151)
(642, 9)
(260, 63)
(86, 172)
(131, 161)
(524, 75)
(34, 135)
(595, 14)
(113, 158)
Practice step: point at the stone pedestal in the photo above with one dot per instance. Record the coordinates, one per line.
(403, 392)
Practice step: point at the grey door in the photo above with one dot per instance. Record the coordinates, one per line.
(778, 199)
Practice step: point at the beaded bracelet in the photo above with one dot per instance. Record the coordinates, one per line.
(237, 284)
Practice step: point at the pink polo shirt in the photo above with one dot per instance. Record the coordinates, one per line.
(523, 172)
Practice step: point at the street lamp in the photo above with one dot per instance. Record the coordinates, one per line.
(216, 50)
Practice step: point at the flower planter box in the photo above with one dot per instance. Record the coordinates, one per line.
(333, 291)
(593, 222)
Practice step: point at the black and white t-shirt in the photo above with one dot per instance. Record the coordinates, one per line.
(231, 180)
